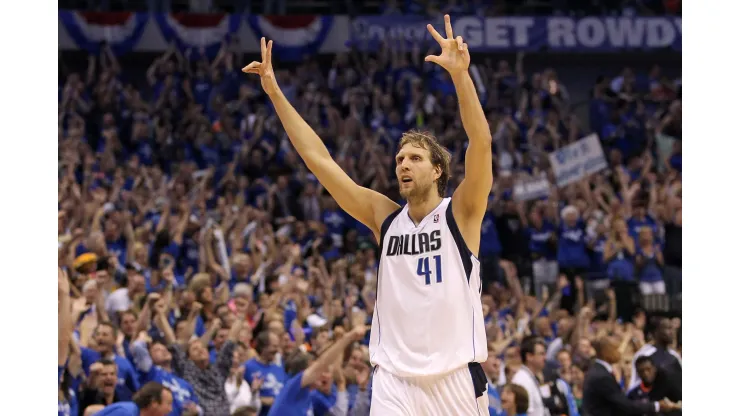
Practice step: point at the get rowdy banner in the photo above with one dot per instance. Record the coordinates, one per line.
(293, 37)
(555, 34)
(121, 30)
(191, 30)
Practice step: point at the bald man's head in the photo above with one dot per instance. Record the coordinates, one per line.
(607, 349)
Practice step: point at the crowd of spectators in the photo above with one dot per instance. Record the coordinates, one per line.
(200, 253)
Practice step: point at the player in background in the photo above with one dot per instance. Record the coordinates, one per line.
(427, 340)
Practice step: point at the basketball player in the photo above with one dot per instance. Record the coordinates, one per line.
(427, 337)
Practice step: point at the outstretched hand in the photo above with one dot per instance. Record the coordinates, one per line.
(455, 57)
(264, 68)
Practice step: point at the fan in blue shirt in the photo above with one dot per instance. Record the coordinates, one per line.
(153, 399)
(297, 396)
(105, 339)
(155, 364)
(68, 385)
(641, 219)
(572, 252)
(264, 367)
(492, 369)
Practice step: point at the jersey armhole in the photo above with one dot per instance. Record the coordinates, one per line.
(384, 229)
(462, 247)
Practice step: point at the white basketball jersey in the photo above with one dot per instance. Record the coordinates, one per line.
(428, 317)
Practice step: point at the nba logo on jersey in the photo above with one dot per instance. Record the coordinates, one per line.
(436, 218)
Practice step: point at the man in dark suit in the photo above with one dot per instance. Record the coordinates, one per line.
(602, 396)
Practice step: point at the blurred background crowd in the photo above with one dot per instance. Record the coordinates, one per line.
(184, 214)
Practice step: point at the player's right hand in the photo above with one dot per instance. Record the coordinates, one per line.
(358, 332)
(264, 68)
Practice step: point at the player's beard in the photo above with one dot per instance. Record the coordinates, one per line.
(417, 193)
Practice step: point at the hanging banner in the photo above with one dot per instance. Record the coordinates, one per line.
(293, 37)
(88, 30)
(554, 34)
(191, 30)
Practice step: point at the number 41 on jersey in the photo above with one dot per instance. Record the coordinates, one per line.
(423, 269)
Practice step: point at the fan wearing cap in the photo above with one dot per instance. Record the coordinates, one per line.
(85, 263)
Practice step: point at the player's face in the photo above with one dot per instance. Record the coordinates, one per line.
(415, 172)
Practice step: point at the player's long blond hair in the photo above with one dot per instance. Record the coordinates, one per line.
(439, 155)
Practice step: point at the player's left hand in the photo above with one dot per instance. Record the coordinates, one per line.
(455, 57)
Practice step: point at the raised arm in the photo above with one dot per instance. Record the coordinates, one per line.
(470, 199)
(367, 206)
(65, 318)
(330, 355)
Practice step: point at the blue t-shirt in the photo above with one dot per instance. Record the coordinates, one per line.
(621, 266)
(649, 271)
(120, 409)
(189, 255)
(494, 402)
(117, 248)
(273, 375)
(634, 225)
(322, 403)
(572, 404)
(293, 399)
(540, 241)
(182, 391)
(490, 245)
(126, 375)
(572, 246)
(68, 407)
(598, 268)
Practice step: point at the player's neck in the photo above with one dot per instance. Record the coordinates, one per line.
(420, 208)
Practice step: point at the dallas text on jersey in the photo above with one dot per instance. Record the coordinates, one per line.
(413, 244)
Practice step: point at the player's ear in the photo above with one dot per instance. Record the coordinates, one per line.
(437, 172)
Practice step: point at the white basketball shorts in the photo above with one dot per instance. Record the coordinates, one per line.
(461, 392)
